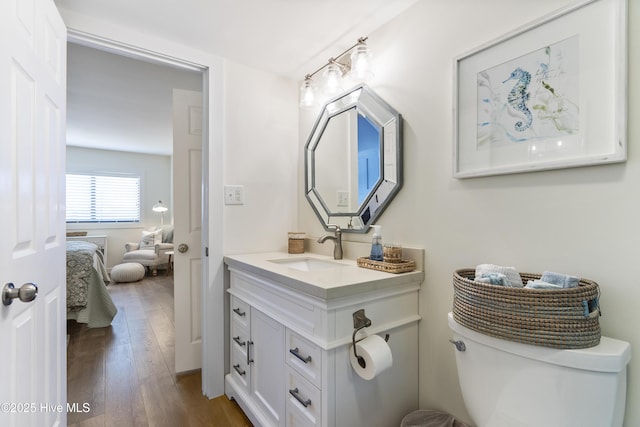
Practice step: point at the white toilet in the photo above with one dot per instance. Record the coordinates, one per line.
(508, 384)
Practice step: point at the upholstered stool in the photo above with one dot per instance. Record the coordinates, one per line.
(127, 272)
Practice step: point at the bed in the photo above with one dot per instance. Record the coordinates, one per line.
(88, 300)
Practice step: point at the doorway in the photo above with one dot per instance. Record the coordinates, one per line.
(122, 102)
(211, 66)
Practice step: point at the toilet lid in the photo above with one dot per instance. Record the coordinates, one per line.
(611, 355)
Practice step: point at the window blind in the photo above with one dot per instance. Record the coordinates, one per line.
(103, 198)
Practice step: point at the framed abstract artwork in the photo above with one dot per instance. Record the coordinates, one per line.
(548, 95)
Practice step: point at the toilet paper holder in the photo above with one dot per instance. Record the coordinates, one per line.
(360, 321)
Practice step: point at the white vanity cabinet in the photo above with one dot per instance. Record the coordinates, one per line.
(256, 359)
(290, 343)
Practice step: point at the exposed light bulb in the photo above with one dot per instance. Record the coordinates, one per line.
(307, 93)
(361, 63)
(333, 79)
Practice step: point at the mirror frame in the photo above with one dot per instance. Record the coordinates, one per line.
(389, 124)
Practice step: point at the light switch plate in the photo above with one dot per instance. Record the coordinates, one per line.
(343, 198)
(234, 194)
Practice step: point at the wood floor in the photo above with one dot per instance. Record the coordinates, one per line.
(124, 374)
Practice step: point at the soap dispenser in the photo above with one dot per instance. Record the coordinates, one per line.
(376, 244)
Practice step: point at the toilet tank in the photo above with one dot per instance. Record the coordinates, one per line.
(508, 384)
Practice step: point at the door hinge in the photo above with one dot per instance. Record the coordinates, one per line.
(206, 251)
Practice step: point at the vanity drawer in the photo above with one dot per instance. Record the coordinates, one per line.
(295, 418)
(305, 357)
(304, 402)
(239, 367)
(239, 337)
(240, 312)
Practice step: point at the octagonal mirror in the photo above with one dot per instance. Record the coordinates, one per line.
(353, 160)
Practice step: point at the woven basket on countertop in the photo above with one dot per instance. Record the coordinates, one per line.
(404, 266)
(558, 318)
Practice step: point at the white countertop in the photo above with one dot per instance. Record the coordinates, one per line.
(328, 283)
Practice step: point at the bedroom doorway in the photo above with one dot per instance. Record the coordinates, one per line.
(137, 110)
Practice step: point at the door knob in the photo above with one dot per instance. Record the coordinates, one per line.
(183, 247)
(26, 293)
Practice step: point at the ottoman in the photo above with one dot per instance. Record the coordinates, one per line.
(127, 272)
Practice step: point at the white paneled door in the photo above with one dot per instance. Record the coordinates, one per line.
(187, 202)
(32, 218)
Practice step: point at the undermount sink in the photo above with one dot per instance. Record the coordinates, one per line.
(307, 264)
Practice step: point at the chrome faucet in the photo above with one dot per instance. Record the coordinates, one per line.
(337, 241)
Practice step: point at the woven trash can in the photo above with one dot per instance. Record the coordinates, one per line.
(557, 318)
(428, 418)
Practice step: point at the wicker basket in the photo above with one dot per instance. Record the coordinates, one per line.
(558, 318)
(403, 266)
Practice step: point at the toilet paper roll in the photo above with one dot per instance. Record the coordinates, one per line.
(376, 354)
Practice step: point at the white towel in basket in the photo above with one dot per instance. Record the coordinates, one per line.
(494, 279)
(564, 280)
(539, 284)
(512, 275)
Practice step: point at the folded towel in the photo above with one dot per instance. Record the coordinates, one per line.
(539, 284)
(512, 275)
(565, 281)
(494, 279)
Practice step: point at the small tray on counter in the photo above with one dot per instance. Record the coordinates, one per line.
(388, 267)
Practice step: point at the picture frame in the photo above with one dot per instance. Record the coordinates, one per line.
(551, 94)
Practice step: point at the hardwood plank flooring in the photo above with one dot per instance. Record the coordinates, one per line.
(125, 372)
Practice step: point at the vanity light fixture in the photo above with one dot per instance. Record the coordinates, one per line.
(356, 66)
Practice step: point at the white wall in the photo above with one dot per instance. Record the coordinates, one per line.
(580, 221)
(260, 153)
(155, 182)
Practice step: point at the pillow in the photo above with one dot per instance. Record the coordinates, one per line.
(150, 239)
(167, 234)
